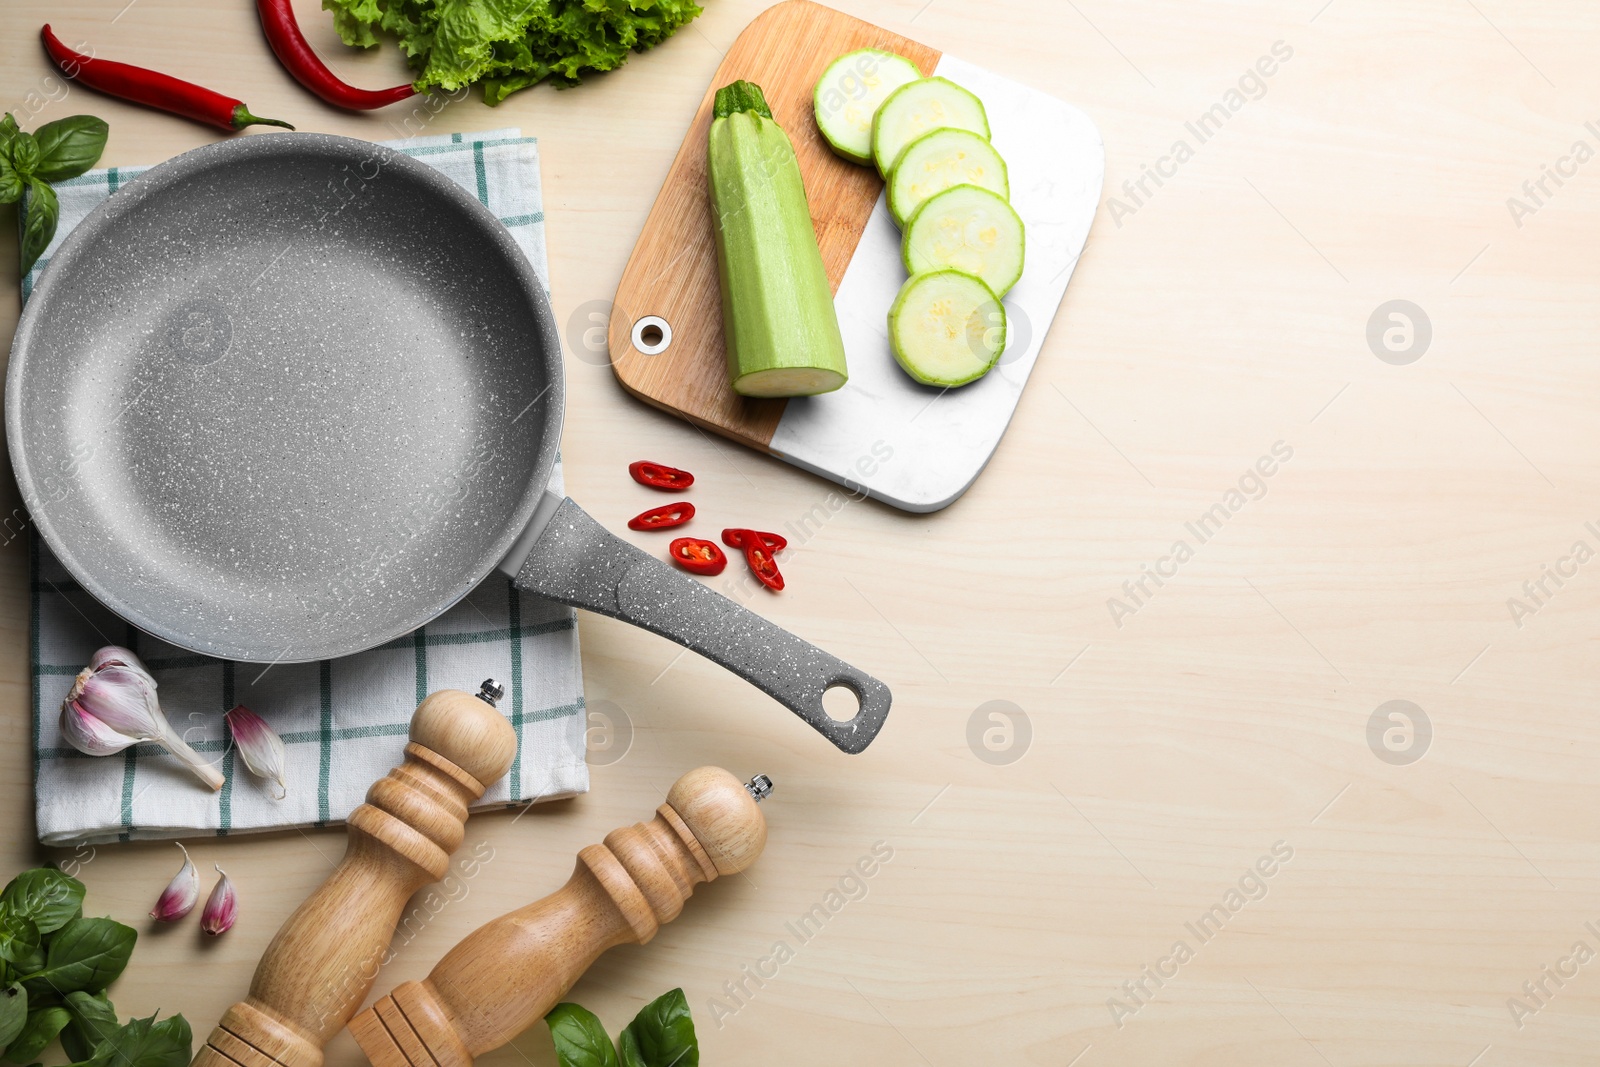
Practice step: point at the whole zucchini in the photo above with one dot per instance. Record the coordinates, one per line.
(777, 309)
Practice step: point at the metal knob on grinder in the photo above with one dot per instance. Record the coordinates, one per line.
(506, 975)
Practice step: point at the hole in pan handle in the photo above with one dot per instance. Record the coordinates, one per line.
(575, 560)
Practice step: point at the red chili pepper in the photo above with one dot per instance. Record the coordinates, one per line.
(667, 515)
(151, 88)
(300, 60)
(657, 476)
(758, 553)
(735, 538)
(697, 556)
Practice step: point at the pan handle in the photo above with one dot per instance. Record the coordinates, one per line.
(575, 560)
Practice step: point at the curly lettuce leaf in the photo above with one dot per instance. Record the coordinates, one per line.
(508, 45)
(354, 19)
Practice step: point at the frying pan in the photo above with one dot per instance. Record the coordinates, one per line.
(288, 397)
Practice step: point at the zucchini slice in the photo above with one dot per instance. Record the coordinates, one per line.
(971, 229)
(849, 93)
(914, 109)
(941, 160)
(947, 328)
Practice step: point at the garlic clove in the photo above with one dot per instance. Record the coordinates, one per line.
(118, 656)
(178, 899)
(122, 698)
(88, 734)
(222, 906)
(260, 746)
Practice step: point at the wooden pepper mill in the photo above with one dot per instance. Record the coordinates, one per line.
(504, 976)
(318, 968)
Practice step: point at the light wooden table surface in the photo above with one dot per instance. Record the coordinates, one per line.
(1225, 315)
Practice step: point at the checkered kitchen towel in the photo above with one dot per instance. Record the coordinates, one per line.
(343, 721)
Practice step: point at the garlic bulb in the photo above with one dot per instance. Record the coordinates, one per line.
(113, 704)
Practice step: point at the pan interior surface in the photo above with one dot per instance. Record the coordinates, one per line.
(285, 398)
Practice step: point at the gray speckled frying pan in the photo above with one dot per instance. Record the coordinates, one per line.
(288, 397)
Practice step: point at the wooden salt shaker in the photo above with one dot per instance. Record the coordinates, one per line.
(504, 976)
(319, 967)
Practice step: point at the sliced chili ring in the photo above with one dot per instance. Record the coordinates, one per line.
(735, 537)
(660, 476)
(758, 553)
(664, 517)
(697, 556)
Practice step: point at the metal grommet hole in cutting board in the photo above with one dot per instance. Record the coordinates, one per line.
(652, 334)
(841, 702)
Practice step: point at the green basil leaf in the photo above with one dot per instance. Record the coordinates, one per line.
(10, 181)
(47, 896)
(24, 153)
(169, 1044)
(33, 963)
(93, 1020)
(631, 1056)
(145, 1043)
(85, 954)
(13, 1012)
(581, 1039)
(8, 130)
(39, 225)
(70, 146)
(662, 1034)
(19, 937)
(41, 1029)
(72, 1043)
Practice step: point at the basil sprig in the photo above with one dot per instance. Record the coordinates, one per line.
(55, 966)
(29, 162)
(661, 1035)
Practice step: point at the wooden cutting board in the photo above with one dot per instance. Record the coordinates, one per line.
(909, 445)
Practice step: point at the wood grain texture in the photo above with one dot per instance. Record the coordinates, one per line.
(673, 270)
(319, 967)
(1165, 756)
(506, 975)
